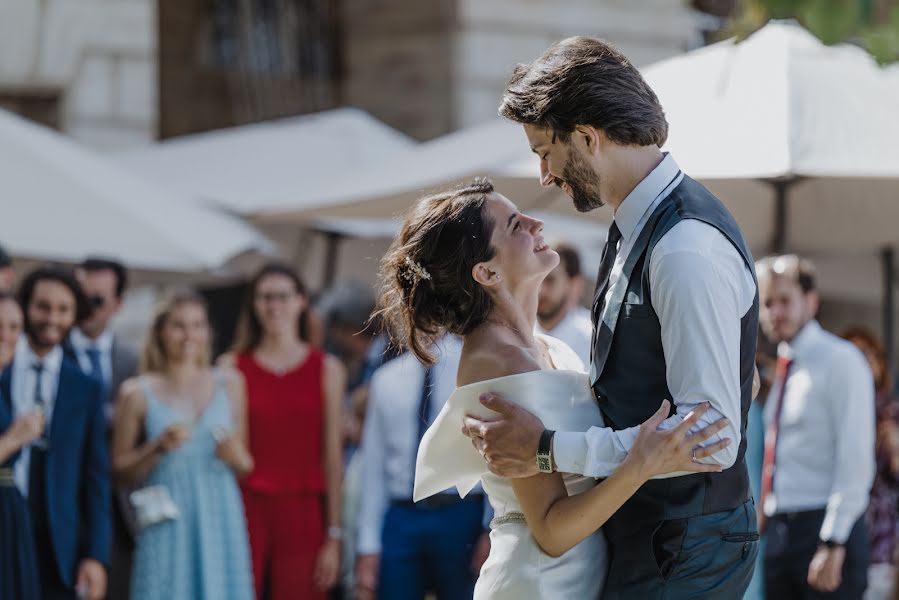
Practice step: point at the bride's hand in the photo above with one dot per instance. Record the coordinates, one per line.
(657, 452)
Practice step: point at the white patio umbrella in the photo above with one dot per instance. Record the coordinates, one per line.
(799, 139)
(818, 124)
(62, 201)
(390, 187)
(251, 168)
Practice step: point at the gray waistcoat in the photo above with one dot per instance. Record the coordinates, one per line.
(630, 364)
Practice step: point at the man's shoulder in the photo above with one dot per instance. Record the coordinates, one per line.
(393, 371)
(836, 351)
(696, 236)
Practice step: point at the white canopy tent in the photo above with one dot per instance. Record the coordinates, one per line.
(250, 168)
(388, 189)
(799, 139)
(61, 201)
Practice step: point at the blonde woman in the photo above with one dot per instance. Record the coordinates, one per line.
(180, 435)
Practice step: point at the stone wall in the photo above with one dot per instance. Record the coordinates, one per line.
(494, 36)
(87, 67)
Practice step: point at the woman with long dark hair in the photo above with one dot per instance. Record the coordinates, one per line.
(295, 394)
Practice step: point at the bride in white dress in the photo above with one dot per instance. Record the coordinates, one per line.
(467, 262)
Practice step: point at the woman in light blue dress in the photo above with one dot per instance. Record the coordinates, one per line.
(180, 436)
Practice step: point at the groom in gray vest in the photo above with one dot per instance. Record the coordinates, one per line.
(675, 316)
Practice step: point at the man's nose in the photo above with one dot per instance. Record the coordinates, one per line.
(546, 179)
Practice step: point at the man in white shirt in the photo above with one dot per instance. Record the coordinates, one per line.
(558, 304)
(406, 549)
(819, 445)
(110, 359)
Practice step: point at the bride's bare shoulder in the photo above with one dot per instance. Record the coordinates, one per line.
(483, 358)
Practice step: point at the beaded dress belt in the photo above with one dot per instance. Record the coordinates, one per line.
(7, 479)
(512, 517)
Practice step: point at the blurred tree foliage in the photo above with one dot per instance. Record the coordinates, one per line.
(872, 24)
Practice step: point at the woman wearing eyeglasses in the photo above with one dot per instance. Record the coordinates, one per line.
(294, 399)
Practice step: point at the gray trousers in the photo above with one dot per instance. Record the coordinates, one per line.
(709, 557)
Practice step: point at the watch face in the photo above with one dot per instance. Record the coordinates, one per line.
(543, 464)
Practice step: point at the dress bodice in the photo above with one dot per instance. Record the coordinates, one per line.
(517, 568)
(561, 398)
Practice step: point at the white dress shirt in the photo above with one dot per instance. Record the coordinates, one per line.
(575, 329)
(81, 343)
(22, 389)
(701, 289)
(825, 441)
(390, 436)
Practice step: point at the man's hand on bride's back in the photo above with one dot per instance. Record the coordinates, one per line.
(508, 441)
(656, 452)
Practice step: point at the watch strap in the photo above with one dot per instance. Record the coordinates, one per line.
(544, 451)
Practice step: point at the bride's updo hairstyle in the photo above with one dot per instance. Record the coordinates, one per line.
(426, 284)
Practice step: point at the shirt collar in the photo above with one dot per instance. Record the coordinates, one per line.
(25, 357)
(642, 197)
(81, 342)
(803, 342)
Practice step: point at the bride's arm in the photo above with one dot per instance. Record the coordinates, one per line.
(559, 522)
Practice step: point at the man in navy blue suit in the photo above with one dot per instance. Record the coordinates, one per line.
(64, 473)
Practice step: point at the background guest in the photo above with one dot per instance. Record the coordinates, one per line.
(65, 472)
(19, 575)
(882, 516)
(11, 322)
(558, 306)
(295, 397)
(407, 549)
(194, 422)
(107, 357)
(819, 444)
(7, 271)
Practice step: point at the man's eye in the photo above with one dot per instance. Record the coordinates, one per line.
(517, 225)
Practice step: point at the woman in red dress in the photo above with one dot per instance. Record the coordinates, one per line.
(294, 399)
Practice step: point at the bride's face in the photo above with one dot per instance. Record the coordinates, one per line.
(521, 253)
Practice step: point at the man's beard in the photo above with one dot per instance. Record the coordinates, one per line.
(582, 181)
(551, 312)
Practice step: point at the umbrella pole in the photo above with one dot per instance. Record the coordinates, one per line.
(888, 261)
(781, 191)
(332, 241)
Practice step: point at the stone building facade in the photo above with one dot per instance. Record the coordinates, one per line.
(115, 73)
(88, 68)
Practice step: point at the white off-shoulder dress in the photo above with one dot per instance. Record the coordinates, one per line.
(517, 569)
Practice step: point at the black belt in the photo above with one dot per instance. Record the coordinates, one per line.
(815, 513)
(437, 501)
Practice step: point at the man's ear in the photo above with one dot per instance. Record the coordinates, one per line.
(484, 274)
(814, 303)
(588, 138)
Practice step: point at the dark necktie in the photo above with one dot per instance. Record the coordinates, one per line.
(93, 354)
(424, 412)
(609, 253)
(37, 470)
(424, 405)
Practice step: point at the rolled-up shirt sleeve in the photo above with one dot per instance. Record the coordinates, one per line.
(700, 289)
(851, 407)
